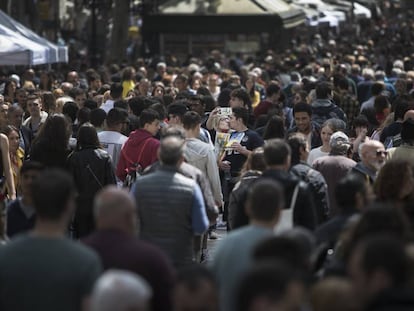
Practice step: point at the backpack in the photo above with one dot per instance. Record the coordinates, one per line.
(134, 170)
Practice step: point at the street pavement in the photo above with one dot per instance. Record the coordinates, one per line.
(212, 244)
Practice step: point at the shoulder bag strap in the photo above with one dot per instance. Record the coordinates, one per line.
(140, 154)
(294, 196)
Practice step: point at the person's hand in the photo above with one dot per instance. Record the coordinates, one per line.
(237, 147)
(363, 132)
(215, 112)
(212, 118)
(225, 165)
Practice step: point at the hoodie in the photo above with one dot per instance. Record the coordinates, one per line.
(202, 156)
(324, 109)
(141, 147)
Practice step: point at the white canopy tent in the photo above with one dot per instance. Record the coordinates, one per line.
(52, 52)
(18, 50)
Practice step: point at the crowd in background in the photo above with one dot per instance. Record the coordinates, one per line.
(307, 156)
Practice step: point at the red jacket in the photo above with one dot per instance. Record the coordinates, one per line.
(141, 147)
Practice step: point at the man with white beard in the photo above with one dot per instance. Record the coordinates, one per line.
(373, 156)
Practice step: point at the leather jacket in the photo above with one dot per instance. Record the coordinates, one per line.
(91, 169)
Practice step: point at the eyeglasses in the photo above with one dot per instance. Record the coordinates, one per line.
(381, 153)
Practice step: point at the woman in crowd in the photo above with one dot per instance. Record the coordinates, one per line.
(7, 185)
(253, 93)
(49, 102)
(50, 147)
(274, 128)
(158, 90)
(128, 83)
(252, 169)
(47, 81)
(16, 152)
(9, 92)
(91, 168)
(328, 128)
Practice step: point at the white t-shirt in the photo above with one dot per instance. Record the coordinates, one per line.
(112, 142)
(108, 105)
(316, 153)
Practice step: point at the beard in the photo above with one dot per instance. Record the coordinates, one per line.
(377, 165)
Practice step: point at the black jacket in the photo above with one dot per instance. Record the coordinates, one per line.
(27, 136)
(304, 211)
(91, 169)
(45, 153)
(395, 299)
(238, 197)
(317, 186)
(303, 214)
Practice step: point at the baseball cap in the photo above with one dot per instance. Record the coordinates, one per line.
(339, 139)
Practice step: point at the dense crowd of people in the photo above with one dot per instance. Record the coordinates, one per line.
(114, 178)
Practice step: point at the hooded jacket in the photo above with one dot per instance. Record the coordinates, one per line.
(202, 156)
(324, 109)
(141, 147)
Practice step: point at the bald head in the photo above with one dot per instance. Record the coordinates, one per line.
(115, 209)
(66, 87)
(121, 291)
(373, 154)
(72, 77)
(409, 115)
(171, 150)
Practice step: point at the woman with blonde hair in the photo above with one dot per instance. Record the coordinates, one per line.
(15, 151)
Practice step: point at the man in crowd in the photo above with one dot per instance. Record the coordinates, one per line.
(201, 154)
(122, 291)
(45, 270)
(195, 289)
(405, 151)
(302, 114)
(112, 138)
(235, 253)
(306, 173)
(300, 206)
(170, 206)
(380, 268)
(37, 115)
(367, 107)
(15, 118)
(141, 147)
(118, 247)
(372, 154)
(242, 141)
(115, 94)
(323, 108)
(336, 165)
(271, 100)
(352, 196)
(20, 212)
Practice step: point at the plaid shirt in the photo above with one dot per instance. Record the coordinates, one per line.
(349, 104)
